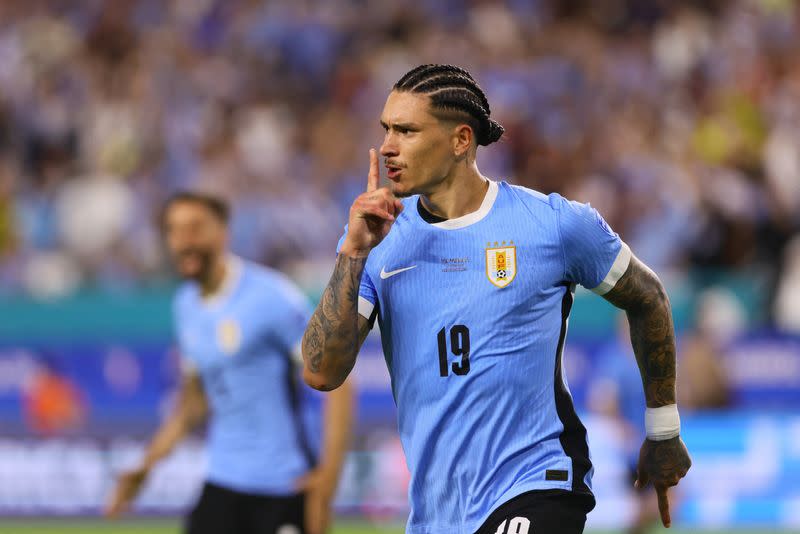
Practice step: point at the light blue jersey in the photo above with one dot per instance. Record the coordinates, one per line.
(473, 316)
(241, 343)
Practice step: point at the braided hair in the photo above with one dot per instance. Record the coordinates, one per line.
(453, 90)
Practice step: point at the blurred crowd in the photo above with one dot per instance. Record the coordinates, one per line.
(678, 119)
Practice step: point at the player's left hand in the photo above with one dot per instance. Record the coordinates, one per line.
(319, 487)
(664, 463)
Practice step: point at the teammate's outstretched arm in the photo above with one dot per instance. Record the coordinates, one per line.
(336, 331)
(190, 411)
(663, 459)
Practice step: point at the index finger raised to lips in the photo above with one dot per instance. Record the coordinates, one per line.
(374, 176)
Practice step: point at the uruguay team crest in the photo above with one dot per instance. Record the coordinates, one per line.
(501, 263)
(229, 336)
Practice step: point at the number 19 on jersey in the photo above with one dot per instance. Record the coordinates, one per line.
(459, 345)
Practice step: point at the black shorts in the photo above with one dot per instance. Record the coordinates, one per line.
(224, 511)
(541, 512)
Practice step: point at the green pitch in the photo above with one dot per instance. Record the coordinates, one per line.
(146, 526)
(171, 526)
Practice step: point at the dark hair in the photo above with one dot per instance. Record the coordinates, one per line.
(216, 205)
(453, 89)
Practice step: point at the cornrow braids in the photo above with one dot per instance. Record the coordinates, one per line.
(453, 89)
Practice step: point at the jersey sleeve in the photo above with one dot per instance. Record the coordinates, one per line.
(185, 364)
(594, 255)
(367, 295)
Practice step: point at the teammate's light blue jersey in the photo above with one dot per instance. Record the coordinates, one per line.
(473, 316)
(241, 343)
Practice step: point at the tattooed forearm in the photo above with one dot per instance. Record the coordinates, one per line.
(331, 340)
(640, 293)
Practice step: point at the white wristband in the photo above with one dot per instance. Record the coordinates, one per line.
(662, 423)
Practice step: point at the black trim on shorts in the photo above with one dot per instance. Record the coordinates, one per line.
(573, 437)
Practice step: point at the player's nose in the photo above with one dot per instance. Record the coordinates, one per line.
(389, 148)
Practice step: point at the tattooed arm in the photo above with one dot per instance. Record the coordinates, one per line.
(336, 331)
(640, 293)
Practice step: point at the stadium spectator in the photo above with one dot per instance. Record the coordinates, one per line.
(678, 116)
(52, 404)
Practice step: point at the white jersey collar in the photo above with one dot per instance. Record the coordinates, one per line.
(233, 272)
(475, 216)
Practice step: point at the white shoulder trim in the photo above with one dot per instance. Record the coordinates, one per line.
(475, 216)
(618, 268)
(365, 307)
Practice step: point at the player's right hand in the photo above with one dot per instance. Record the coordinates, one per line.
(128, 487)
(371, 215)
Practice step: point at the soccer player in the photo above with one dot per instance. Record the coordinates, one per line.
(471, 281)
(239, 327)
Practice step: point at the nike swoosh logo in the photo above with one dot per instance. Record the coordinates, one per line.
(385, 274)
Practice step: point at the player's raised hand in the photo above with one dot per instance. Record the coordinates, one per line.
(372, 213)
(664, 463)
(128, 487)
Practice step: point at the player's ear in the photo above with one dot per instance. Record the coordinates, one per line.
(463, 136)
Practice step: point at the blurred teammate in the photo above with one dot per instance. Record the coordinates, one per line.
(471, 281)
(239, 327)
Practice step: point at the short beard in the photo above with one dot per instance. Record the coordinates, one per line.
(206, 268)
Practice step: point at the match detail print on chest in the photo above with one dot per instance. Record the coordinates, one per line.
(498, 260)
(494, 260)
